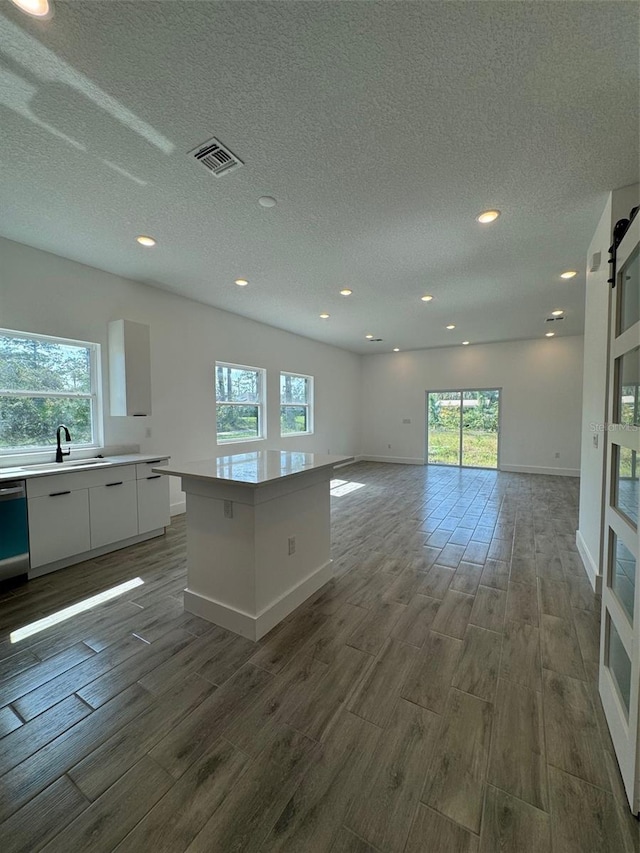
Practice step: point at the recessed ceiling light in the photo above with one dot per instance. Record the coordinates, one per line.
(346, 292)
(465, 343)
(396, 349)
(549, 334)
(369, 337)
(267, 201)
(241, 282)
(568, 274)
(146, 241)
(451, 326)
(324, 316)
(557, 313)
(35, 8)
(426, 298)
(488, 216)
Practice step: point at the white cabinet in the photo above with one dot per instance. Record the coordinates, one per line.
(58, 525)
(113, 510)
(153, 502)
(76, 512)
(129, 368)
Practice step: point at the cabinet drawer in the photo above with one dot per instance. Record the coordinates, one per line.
(71, 482)
(74, 480)
(153, 502)
(144, 469)
(113, 511)
(58, 526)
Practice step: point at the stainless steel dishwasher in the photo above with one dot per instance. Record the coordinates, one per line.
(14, 532)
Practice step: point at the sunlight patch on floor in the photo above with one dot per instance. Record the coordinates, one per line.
(73, 610)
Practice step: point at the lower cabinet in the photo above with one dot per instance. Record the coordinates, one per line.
(153, 503)
(75, 512)
(113, 510)
(58, 526)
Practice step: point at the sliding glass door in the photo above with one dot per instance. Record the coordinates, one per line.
(463, 428)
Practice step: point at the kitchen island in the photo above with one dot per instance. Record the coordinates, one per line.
(258, 535)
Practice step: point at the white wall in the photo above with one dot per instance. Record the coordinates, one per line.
(41, 292)
(541, 383)
(594, 392)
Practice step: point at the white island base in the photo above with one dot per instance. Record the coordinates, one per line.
(258, 536)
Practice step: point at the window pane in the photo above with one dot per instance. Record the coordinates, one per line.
(626, 482)
(27, 364)
(619, 664)
(629, 279)
(444, 428)
(237, 385)
(32, 421)
(628, 381)
(480, 429)
(294, 389)
(234, 422)
(623, 574)
(293, 419)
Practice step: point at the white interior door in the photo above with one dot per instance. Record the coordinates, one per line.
(620, 631)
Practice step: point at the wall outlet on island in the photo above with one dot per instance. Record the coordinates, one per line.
(228, 509)
(292, 545)
(557, 455)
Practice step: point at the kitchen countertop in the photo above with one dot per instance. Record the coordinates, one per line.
(257, 468)
(26, 472)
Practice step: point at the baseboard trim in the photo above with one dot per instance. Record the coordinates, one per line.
(535, 469)
(590, 565)
(178, 508)
(256, 626)
(397, 460)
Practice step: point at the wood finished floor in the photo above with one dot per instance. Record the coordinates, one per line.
(438, 696)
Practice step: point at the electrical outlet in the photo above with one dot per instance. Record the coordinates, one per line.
(147, 432)
(595, 440)
(292, 545)
(389, 446)
(228, 509)
(557, 455)
(406, 420)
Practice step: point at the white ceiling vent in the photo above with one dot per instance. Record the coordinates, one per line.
(216, 157)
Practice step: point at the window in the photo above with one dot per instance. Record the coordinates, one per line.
(45, 382)
(296, 400)
(239, 402)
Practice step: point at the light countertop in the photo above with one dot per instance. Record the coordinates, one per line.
(26, 472)
(257, 468)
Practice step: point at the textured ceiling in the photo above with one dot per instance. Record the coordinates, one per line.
(382, 129)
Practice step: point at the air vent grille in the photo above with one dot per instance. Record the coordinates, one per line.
(375, 340)
(554, 319)
(216, 157)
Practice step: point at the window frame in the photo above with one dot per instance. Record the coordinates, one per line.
(261, 405)
(94, 395)
(309, 405)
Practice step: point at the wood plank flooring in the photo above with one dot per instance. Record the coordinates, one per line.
(437, 695)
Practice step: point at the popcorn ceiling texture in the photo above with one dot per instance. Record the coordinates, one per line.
(382, 129)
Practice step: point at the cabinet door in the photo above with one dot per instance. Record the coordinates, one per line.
(153, 503)
(113, 511)
(58, 526)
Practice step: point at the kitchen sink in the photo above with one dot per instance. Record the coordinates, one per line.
(63, 466)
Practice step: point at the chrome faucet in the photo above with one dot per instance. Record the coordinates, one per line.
(59, 452)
